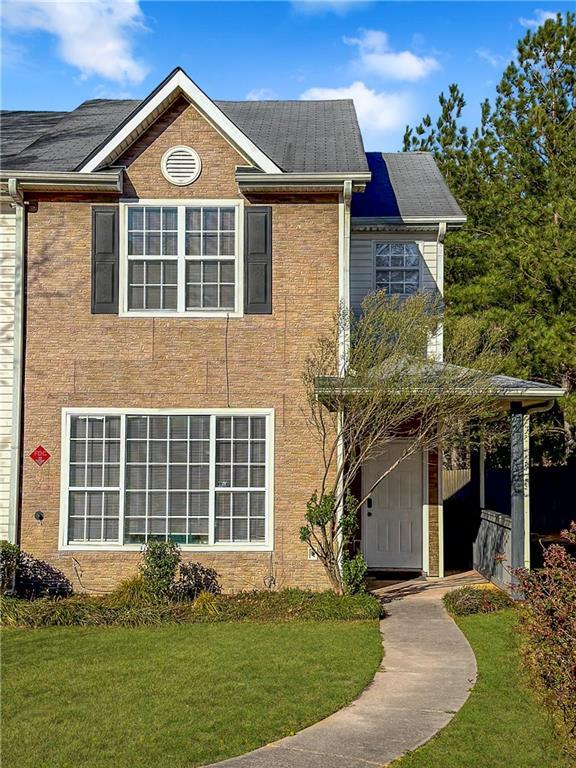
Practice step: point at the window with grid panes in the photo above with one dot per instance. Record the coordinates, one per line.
(182, 258)
(94, 479)
(194, 479)
(397, 268)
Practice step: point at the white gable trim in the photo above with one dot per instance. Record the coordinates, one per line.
(204, 104)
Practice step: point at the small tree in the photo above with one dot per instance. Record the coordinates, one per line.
(368, 382)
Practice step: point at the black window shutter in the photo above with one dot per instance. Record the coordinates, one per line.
(258, 260)
(105, 260)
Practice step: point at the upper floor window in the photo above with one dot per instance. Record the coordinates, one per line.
(397, 268)
(183, 258)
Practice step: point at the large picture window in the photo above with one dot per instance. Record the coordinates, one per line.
(397, 268)
(182, 258)
(197, 479)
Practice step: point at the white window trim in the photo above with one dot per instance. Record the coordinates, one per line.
(123, 310)
(390, 240)
(265, 546)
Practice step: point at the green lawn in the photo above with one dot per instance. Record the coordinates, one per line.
(173, 696)
(501, 725)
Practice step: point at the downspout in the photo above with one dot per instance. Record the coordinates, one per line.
(17, 357)
(439, 347)
(439, 340)
(344, 306)
(344, 267)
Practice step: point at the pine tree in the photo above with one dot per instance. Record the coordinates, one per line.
(514, 264)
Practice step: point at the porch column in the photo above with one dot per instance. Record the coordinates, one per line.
(476, 468)
(520, 485)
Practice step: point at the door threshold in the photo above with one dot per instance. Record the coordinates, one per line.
(396, 573)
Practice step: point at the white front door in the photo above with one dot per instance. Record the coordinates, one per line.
(392, 518)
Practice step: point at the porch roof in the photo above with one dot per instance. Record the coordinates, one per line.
(508, 389)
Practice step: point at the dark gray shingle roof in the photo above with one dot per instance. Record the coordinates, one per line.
(405, 185)
(65, 144)
(301, 136)
(19, 129)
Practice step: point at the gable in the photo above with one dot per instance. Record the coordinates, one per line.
(175, 85)
(181, 125)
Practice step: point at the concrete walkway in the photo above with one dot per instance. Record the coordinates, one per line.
(425, 677)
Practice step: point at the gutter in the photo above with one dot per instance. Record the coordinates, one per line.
(256, 180)
(105, 181)
(370, 224)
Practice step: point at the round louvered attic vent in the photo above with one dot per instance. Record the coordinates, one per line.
(181, 165)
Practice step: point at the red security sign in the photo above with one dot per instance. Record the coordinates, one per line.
(40, 455)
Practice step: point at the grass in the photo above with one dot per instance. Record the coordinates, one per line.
(501, 724)
(176, 695)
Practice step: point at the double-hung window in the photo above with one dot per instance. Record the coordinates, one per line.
(397, 268)
(183, 258)
(200, 479)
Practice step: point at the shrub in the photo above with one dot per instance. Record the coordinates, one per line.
(25, 576)
(194, 579)
(8, 561)
(466, 601)
(548, 624)
(131, 591)
(354, 570)
(287, 605)
(206, 603)
(35, 578)
(158, 568)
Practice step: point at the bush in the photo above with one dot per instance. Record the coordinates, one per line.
(466, 601)
(287, 605)
(35, 578)
(194, 579)
(25, 576)
(158, 568)
(548, 624)
(354, 570)
(8, 561)
(131, 591)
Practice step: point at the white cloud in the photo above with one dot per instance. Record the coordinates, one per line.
(494, 59)
(539, 18)
(378, 112)
(261, 94)
(376, 57)
(95, 36)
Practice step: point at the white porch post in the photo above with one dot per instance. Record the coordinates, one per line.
(520, 485)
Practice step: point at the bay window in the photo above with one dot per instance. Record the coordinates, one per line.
(182, 258)
(199, 479)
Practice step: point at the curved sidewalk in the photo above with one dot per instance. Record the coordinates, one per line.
(425, 677)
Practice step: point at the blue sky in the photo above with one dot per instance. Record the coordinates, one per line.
(392, 58)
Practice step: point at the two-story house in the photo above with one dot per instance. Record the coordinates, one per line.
(166, 265)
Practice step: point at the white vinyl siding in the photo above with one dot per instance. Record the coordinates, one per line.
(363, 269)
(203, 479)
(7, 309)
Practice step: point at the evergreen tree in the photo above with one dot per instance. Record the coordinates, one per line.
(514, 264)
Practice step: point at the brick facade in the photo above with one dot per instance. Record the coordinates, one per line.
(74, 358)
